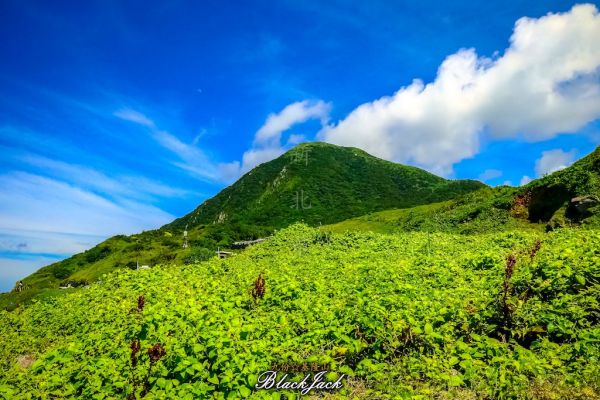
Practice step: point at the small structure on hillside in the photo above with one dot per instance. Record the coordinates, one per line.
(138, 266)
(245, 243)
(223, 254)
(19, 287)
(185, 238)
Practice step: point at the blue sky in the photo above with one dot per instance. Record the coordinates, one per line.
(117, 117)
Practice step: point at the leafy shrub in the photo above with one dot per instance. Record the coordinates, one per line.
(75, 282)
(96, 253)
(62, 270)
(197, 255)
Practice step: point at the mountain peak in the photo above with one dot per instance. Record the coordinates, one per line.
(318, 182)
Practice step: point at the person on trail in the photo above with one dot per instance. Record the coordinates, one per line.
(20, 286)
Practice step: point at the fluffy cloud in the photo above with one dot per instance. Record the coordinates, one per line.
(554, 160)
(267, 143)
(277, 123)
(547, 82)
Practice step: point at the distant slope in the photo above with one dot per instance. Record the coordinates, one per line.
(544, 203)
(486, 210)
(316, 183)
(548, 198)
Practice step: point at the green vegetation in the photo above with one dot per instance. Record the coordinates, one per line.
(336, 183)
(505, 315)
(414, 287)
(549, 196)
(543, 204)
(485, 210)
(314, 182)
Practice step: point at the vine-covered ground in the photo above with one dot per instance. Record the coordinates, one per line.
(411, 315)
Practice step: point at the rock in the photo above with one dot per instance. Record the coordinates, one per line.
(582, 204)
(221, 218)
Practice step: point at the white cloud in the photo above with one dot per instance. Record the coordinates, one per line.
(128, 114)
(256, 156)
(525, 180)
(27, 242)
(44, 219)
(547, 82)
(489, 174)
(267, 143)
(554, 160)
(277, 123)
(507, 183)
(13, 269)
(120, 185)
(295, 139)
(191, 157)
(35, 203)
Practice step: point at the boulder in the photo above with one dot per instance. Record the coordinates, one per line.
(582, 204)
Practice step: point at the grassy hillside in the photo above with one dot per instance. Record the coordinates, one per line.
(543, 204)
(548, 197)
(410, 315)
(331, 182)
(314, 182)
(486, 210)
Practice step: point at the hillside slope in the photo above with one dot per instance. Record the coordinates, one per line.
(543, 204)
(316, 183)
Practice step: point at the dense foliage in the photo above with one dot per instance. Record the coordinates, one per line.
(409, 315)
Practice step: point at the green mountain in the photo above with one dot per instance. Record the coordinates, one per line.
(316, 183)
(543, 204)
(321, 183)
